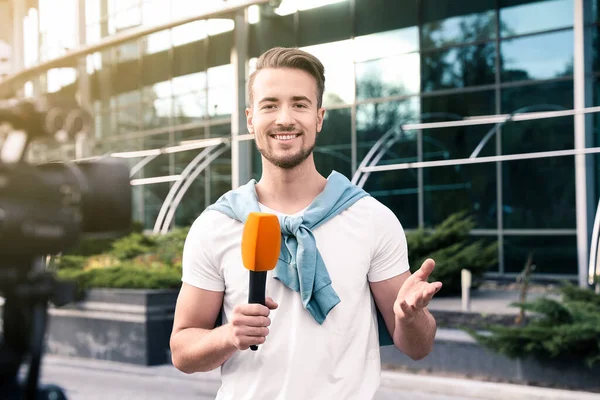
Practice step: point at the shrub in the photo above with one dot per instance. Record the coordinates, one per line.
(124, 276)
(450, 245)
(558, 330)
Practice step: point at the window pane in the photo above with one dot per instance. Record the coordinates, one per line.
(337, 60)
(375, 120)
(557, 94)
(189, 108)
(459, 30)
(461, 105)
(334, 144)
(539, 193)
(372, 16)
(459, 67)
(399, 191)
(219, 175)
(325, 24)
(220, 90)
(393, 76)
(469, 188)
(396, 189)
(154, 196)
(386, 44)
(128, 119)
(534, 16)
(271, 32)
(538, 57)
(551, 254)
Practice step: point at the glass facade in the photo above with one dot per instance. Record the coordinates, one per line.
(388, 63)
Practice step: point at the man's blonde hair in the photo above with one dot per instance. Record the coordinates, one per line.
(290, 57)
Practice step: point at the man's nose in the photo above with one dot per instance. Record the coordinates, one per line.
(284, 117)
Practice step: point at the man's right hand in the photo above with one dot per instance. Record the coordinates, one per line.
(249, 324)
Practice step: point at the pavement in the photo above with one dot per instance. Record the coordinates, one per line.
(84, 379)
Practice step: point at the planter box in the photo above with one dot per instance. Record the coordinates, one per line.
(124, 325)
(455, 352)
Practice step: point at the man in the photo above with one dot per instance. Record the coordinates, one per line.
(310, 345)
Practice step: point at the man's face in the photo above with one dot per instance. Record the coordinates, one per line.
(284, 117)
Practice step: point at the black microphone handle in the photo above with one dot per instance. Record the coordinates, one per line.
(256, 292)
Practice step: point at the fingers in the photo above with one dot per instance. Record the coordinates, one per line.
(425, 270)
(418, 298)
(249, 324)
(270, 303)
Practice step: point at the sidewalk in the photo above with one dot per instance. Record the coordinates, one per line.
(467, 388)
(92, 379)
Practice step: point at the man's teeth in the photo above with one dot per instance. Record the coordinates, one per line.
(285, 137)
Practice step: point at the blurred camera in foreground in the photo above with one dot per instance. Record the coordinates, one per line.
(46, 209)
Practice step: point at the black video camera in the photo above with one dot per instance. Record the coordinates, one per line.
(44, 210)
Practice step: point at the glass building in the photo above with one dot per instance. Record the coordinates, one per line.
(407, 81)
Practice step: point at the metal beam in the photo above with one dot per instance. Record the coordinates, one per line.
(70, 59)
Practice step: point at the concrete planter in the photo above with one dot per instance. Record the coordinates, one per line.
(124, 325)
(455, 352)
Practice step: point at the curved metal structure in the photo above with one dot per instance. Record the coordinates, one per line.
(494, 130)
(384, 143)
(190, 172)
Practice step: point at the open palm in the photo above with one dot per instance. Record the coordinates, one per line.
(416, 293)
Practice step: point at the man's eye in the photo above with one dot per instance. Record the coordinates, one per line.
(268, 106)
(301, 105)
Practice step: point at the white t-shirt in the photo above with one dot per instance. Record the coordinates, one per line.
(301, 359)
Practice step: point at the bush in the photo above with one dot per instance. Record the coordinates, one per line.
(449, 244)
(135, 261)
(124, 276)
(559, 330)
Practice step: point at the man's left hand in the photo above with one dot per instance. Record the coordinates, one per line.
(416, 293)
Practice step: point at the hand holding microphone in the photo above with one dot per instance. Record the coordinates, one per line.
(261, 244)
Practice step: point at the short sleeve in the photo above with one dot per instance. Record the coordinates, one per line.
(198, 264)
(390, 250)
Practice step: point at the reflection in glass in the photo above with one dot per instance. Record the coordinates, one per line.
(157, 113)
(376, 119)
(393, 76)
(461, 104)
(189, 83)
(128, 119)
(535, 16)
(188, 33)
(220, 90)
(459, 30)
(459, 67)
(334, 143)
(538, 135)
(553, 93)
(339, 74)
(189, 108)
(386, 44)
(539, 193)
(156, 42)
(154, 196)
(551, 254)
(544, 56)
(470, 188)
(219, 175)
(398, 190)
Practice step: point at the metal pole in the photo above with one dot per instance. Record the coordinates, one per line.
(241, 152)
(580, 142)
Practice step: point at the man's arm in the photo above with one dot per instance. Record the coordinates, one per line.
(402, 301)
(196, 346)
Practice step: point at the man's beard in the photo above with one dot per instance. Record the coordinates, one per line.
(287, 162)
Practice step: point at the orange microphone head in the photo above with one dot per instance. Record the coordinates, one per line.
(261, 242)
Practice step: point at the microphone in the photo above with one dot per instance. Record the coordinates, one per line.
(261, 244)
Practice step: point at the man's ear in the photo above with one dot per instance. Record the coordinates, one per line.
(320, 118)
(249, 123)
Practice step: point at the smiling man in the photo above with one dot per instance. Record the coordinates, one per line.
(344, 258)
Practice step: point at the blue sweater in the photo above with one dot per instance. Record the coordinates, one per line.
(300, 265)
